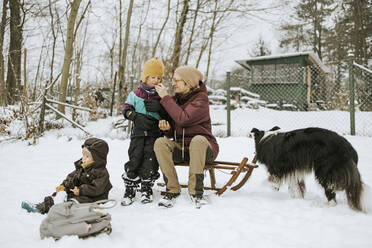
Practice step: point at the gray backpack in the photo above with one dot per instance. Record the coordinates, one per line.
(81, 219)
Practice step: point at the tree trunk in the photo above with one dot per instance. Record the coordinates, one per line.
(113, 94)
(123, 86)
(52, 27)
(77, 81)
(25, 72)
(3, 90)
(201, 52)
(192, 32)
(15, 52)
(211, 35)
(134, 61)
(178, 37)
(120, 69)
(68, 53)
(315, 28)
(37, 74)
(161, 30)
(360, 32)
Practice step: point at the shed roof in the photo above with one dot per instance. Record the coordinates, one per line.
(313, 58)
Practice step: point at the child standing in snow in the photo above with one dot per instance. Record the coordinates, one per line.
(143, 108)
(89, 182)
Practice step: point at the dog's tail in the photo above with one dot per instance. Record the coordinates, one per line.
(355, 189)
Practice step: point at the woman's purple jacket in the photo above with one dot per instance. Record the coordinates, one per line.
(190, 114)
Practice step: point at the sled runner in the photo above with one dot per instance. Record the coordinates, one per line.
(244, 168)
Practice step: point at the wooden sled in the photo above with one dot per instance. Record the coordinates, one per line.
(235, 169)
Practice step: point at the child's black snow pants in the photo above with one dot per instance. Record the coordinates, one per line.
(142, 160)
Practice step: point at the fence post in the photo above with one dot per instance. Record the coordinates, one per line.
(228, 109)
(351, 94)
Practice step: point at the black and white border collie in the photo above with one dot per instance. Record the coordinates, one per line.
(289, 156)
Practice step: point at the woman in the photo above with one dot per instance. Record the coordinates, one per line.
(191, 130)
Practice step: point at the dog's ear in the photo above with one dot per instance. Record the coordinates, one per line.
(255, 131)
(274, 128)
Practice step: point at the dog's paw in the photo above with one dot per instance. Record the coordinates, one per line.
(295, 191)
(323, 203)
(275, 187)
(275, 182)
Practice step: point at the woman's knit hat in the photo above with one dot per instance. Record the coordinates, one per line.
(190, 75)
(153, 67)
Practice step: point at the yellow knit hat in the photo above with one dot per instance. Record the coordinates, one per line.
(190, 75)
(153, 67)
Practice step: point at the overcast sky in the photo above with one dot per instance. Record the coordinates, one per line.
(233, 42)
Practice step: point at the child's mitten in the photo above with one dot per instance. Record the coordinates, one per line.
(60, 188)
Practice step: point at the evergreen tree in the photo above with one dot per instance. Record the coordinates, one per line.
(336, 50)
(308, 31)
(357, 19)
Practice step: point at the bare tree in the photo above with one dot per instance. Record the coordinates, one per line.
(201, 51)
(139, 36)
(191, 38)
(211, 36)
(111, 46)
(68, 53)
(78, 62)
(162, 29)
(218, 15)
(25, 72)
(37, 72)
(178, 36)
(3, 91)
(53, 28)
(122, 84)
(120, 69)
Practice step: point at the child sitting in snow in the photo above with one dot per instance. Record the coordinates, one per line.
(89, 182)
(144, 109)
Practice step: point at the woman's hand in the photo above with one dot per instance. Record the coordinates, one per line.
(164, 125)
(162, 91)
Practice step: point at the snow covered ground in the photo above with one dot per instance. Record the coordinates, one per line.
(254, 216)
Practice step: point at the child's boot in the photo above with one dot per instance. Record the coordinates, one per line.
(130, 190)
(41, 208)
(146, 191)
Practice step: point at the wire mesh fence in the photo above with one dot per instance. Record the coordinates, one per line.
(291, 97)
(362, 99)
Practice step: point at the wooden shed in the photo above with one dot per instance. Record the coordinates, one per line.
(296, 78)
